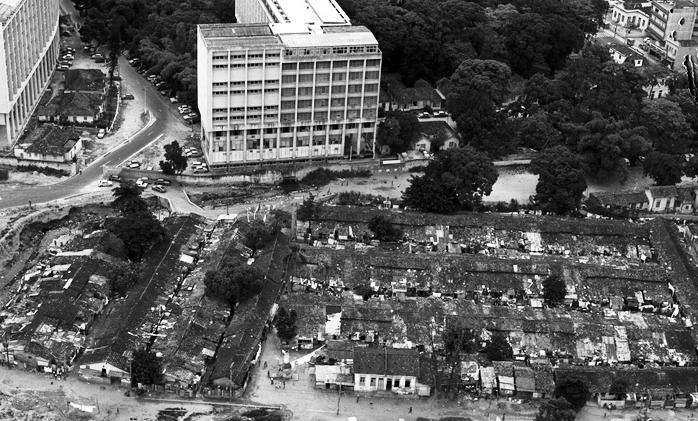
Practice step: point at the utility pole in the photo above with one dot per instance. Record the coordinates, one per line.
(339, 396)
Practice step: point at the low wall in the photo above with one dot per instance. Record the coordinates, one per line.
(268, 177)
(14, 162)
(10, 241)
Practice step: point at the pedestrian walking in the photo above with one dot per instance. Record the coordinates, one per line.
(268, 373)
(410, 411)
(265, 366)
(272, 381)
(284, 384)
(357, 399)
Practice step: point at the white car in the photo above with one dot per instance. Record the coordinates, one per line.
(101, 133)
(134, 164)
(173, 100)
(68, 57)
(142, 184)
(105, 183)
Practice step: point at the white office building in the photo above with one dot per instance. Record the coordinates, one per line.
(292, 80)
(29, 48)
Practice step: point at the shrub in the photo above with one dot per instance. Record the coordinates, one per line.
(323, 176)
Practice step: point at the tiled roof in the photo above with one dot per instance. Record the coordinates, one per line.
(386, 361)
(621, 198)
(663, 191)
(394, 90)
(84, 80)
(49, 139)
(73, 104)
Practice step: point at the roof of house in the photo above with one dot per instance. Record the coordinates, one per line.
(621, 198)
(599, 379)
(386, 361)
(436, 129)
(663, 191)
(49, 139)
(339, 349)
(444, 85)
(84, 80)
(73, 104)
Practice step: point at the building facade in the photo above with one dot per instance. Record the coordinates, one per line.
(287, 83)
(29, 48)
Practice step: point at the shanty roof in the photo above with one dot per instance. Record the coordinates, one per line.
(621, 198)
(84, 80)
(663, 191)
(49, 139)
(599, 379)
(73, 104)
(386, 361)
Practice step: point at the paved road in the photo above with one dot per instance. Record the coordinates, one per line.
(159, 108)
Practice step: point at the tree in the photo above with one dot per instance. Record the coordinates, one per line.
(123, 279)
(667, 125)
(690, 168)
(285, 323)
(664, 168)
(146, 368)
(127, 198)
(307, 211)
(575, 391)
(457, 179)
(458, 339)
(233, 282)
(259, 235)
(554, 290)
(400, 131)
(538, 133)
(556, 410)
(383, 229)
(175, 161)
(498, 349)
(561, 181)
(619, 388)
(138, 231)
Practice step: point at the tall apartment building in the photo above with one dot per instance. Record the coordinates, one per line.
(674, 28)
(29, 48)
(292, 80)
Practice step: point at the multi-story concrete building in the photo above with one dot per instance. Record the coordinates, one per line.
(673, 31)
(292, 80)
(29, 48)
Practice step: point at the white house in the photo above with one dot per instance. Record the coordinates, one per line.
(388, 369)
(50, 143)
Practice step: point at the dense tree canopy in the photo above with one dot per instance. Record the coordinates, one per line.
(233, 282)
(138, 231)
(400, 131)
(175, 161)
(383, 229)
(575, 391)
(285, 324)
(561, 180)
(498, 349)
(556, 410)
(554, 290)
(146, 368)
(457, 179)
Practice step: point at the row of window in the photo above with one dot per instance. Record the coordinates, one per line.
(325, 77)
(239, 65)
(242, 56)
(249, 82)
(336, 102)
(310, 65)
(356, 49)
(236, 145)
(238, 109)
(395, 382)
(274, 130)
(248, 91)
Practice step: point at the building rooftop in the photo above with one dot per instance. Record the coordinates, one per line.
(387, 361)
(84, 80)
(290, 34)
(49, 139)
(315, 12)
(7, 7)
(73, 104)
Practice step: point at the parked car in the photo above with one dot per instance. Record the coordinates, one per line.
(100, 60)
(163, 182)
(105, 183)
(198, 170)
(127, 96)
(96, 56)
(63, 67)
(441, 114)
(115, 178)
(173, 100)
(68, 57)
(159, 188)
(424, 115)
(141, 184)
(134, 164)
(101, 133)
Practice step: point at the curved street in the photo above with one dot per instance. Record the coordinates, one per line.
(159, 108)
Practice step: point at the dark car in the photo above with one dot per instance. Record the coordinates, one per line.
(158, 188)
(115, 178)
(127, 96)
(163, 182)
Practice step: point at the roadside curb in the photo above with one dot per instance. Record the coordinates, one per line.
(151, 120)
